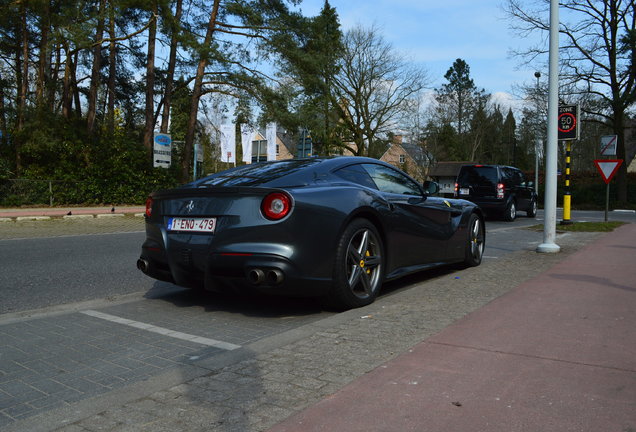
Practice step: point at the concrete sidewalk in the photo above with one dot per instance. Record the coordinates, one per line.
(557, 353)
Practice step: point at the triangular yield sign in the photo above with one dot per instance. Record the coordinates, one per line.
(608, 167)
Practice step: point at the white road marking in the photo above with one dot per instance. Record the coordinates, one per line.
(162, 331)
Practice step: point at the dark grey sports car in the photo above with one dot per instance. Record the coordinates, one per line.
(330, 227)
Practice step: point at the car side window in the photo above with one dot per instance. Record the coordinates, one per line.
(356, 174)
(506, 176)
(521, 179)
(391, 181)
(516, 177)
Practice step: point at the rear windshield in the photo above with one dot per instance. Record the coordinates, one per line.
(478, 176)
(257, 174)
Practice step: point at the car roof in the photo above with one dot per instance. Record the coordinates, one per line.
(281, 173)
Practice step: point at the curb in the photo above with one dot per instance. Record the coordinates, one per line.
(31, 218)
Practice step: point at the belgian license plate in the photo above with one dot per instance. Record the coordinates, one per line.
(192, 224)
(464, 191)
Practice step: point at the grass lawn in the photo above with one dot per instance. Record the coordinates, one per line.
(584, 227)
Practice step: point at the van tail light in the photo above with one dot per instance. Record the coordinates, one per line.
(501, 189)
(149, 202)
(276, 205)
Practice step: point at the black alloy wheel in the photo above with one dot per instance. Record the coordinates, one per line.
(358, 267)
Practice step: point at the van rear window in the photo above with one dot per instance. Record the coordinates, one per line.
(481, 176)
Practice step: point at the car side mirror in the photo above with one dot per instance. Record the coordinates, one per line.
(430, 187)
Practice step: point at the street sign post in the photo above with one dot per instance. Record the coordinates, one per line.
(569, 130)
(608, 145)
(162, 151)
(568, 122)
(608, 168)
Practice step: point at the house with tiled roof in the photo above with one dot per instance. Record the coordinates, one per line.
(411, 158)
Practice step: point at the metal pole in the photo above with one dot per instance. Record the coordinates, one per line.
(196, 155)
(549, 227)
(607, 201)
(538, 142)
(567, 196)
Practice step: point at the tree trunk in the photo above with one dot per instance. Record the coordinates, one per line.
(54, 77)
(3, 116)
(22, 78)
(196, 95)
(43, 62)
(112, 71)
(74, 87)
(167, 99)
(97, 63)
(66, 84)
(150, 82)
(619, 131)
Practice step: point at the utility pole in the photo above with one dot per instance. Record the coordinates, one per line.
(549, 223)
(538, 141)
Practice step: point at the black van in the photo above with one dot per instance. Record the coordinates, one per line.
(498, 190)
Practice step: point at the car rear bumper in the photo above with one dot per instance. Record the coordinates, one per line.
(233, 272)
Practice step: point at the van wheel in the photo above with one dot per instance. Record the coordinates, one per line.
(511, 211)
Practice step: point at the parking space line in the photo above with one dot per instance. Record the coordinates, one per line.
(162, 331)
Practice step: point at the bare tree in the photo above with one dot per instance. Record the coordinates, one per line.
(597, 54)
(375, 86)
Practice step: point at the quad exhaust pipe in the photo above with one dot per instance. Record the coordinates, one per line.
(142, 265)
(257, 276)
(274, 276)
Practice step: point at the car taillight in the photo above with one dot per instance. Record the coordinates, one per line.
(500, 190)
(456, 189)
(276, 206)
(149, 202)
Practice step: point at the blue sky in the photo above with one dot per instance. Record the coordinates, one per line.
(433, 33)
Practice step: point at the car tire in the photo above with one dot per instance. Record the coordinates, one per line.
(532, 211)
(476, 241)
(510, 214)
(358, 266)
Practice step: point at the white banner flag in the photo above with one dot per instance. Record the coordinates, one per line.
(270, 135)
(228, 143)
(247, 136)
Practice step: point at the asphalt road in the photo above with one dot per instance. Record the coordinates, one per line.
(41, 272)
(49, 263)
(78, 321)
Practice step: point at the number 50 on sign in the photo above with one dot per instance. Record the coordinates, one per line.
(568, 123)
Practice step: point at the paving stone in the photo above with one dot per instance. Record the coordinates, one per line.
(253, 394)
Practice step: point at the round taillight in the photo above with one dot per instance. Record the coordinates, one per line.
(149, 207)
(276, 206)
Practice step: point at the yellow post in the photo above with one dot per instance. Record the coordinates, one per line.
(567, 197)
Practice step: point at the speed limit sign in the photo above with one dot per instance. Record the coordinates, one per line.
(568, 123)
